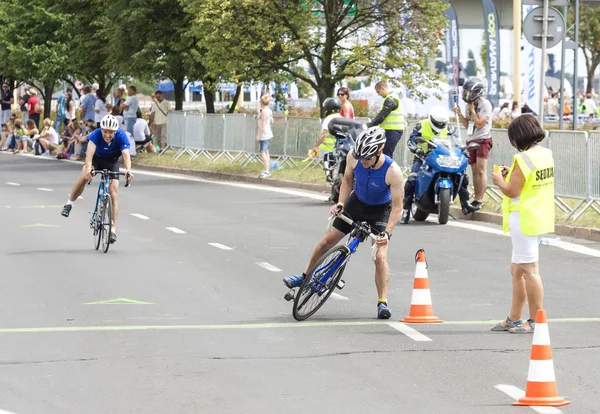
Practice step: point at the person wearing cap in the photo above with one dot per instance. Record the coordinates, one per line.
(158, 119)
(34, 107)
(478, 122)
(528, 212)
(390, 117)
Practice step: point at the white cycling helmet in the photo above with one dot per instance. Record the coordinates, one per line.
(438, 118)
(368, 143)
(109, 122)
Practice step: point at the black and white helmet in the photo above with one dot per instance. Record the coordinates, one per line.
(109, 122)
(368, 143)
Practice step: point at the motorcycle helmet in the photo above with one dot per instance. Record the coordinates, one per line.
(438, 118)
(331, 105)
(472, 89)
(368, 143)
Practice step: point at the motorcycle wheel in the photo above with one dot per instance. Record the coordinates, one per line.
(444, 206)
(418, 215)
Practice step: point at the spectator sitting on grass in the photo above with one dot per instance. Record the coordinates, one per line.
(48, 137)
(141, 134)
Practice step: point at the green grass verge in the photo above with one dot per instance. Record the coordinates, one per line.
(223, 165)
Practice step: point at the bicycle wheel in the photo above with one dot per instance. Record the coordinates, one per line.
(106, 214)
(320, 283)
(96, 224)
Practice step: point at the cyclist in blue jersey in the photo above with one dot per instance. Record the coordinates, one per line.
(105, 146)
(373, 188)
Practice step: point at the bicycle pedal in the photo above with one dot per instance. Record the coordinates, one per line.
(290, 295)
(341, 284)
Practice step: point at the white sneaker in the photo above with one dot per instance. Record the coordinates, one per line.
(264, 174)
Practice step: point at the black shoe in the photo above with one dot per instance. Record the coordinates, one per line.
(477, 204)
(113, 237)
(470, 208)
(66, 210)
(405, 216)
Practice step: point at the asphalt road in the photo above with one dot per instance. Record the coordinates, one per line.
(214, 334)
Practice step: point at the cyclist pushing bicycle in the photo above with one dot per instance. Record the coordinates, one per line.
(106, 145)
(375, 199)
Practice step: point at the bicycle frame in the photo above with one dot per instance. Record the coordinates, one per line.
(351, 245)
(104, 184)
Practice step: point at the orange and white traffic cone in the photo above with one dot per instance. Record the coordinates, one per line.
(421, 309)
(541, 383)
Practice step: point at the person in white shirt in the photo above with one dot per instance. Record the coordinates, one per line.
(141, 133)
(589, 105)
(100, 108)
(48, 138)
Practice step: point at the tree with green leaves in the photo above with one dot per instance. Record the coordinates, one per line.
(32, 50)
(88, 43)
(589, 38)
(323, 42)
(150, 39)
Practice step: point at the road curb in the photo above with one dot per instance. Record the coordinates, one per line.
(234, 177)
(587, 233)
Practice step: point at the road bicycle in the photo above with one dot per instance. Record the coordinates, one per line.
(101, 220)
(326, 275)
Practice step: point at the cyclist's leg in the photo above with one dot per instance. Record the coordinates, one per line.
(79, 185)
(379, 217)
(327, 242)
(114, 190)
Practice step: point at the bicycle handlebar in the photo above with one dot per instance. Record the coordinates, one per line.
(111, 174)
(348, 220)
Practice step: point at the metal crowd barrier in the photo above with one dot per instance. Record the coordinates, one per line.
(233, 137)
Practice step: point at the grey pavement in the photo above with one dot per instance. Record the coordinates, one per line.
(217, 335)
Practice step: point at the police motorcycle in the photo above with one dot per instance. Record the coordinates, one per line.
(440, 177)
(345, 131)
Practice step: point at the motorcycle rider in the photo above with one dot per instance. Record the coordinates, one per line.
(434, 125)
(326, 142)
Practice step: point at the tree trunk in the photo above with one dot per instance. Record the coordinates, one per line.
(209, 100)
(238, 91)
(48, 89)
(591, 70)
(179, 93)
(325, 91)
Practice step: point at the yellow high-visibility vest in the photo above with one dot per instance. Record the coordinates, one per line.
(395, 119)
(428, 133)
(329, 141)
(536, 202)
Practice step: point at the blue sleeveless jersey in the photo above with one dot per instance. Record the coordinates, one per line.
(370, 186)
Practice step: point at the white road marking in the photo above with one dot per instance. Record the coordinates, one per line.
(410, 332)
(220, 246)
(45, 189)
(298, 193)
(337, 296)
(6, 412)
(140, 216)
(572, 247)
(517, 393)
(11, 183)
(175, 230)
(269, 266)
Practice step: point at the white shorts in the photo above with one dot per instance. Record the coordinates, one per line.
(526, 249)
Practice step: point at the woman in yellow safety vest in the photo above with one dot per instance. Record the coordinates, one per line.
(528, 207)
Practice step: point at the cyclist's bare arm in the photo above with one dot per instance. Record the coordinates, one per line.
(127, 162)
(91, 150)
(348, 180)
(396, 182)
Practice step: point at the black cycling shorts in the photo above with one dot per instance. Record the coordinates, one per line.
(376, 216)
(106, 164)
